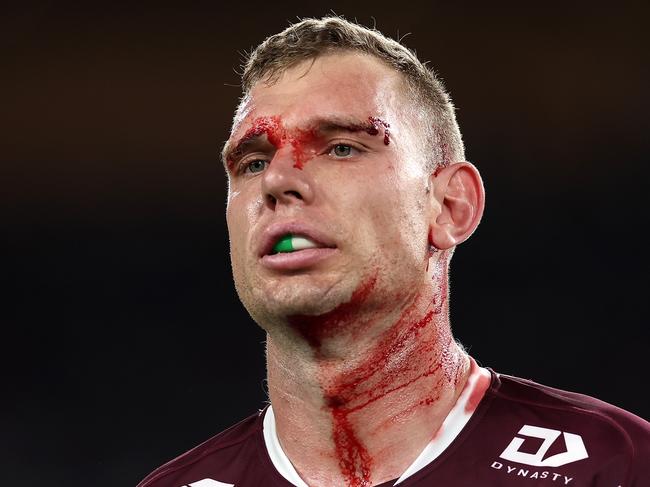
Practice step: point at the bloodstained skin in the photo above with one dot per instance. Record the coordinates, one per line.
(366, 384)
(305, 138)
(301, 140)
(315, 328)
(270, 126)
(369, 382)
(354, 460)
(374, 129)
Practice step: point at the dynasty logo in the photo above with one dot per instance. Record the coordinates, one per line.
(574, 450)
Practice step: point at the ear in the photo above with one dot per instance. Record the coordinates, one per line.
(458, 200)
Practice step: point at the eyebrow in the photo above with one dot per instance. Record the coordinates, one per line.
(340, 124)
(321, 125)
(230, 152)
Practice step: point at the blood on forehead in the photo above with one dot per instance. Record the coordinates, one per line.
(300, 139)
(271, 126)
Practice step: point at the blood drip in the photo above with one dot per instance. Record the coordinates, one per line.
(300, 141)
(367, 384)
(354, 460)
(356, 389)
(375, 124)
(432, 250)
(440, 297)
(315, 328)
(271, 126)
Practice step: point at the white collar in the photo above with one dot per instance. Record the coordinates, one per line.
(450, 429)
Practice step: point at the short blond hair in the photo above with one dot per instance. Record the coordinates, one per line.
(311, 38)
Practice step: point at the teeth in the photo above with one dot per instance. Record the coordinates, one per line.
(290, 243)
(300, 243)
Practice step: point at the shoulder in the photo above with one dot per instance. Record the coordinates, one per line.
(219, 457)
(603, 430)
(538, 396)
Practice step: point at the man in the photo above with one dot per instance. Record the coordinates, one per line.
(348, 193)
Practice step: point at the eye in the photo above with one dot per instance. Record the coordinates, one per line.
(342, 150)
(255, 166)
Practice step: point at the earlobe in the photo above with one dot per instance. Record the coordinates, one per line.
(458, 191)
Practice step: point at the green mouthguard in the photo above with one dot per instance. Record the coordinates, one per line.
(285, 244)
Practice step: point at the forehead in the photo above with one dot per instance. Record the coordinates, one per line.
(343, 84)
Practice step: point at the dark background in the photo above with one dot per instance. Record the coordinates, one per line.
(123, 342)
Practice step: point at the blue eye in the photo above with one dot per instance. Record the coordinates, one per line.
(342, 150)
(258, 165)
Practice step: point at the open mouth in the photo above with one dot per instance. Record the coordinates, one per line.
(295, 249)
(293, 243)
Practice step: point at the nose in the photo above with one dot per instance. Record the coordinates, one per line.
(285, 184)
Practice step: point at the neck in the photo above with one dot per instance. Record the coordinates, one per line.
(356, 405)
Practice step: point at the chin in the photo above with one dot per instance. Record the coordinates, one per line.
(279, 302)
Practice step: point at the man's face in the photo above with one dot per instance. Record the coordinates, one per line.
(313, 163)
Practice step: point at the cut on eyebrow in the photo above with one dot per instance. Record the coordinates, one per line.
(340, 124)
(318, 125)
(271, 126)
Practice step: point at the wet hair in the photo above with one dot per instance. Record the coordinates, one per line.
(431, 105)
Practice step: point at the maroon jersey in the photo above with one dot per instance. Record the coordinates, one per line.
(520, 434)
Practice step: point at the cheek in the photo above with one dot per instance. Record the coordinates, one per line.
(392, 198)
(401, 220)
(242, 210)
(237, 225)
(377, 220)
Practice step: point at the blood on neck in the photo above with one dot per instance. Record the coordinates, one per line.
(413, 336)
